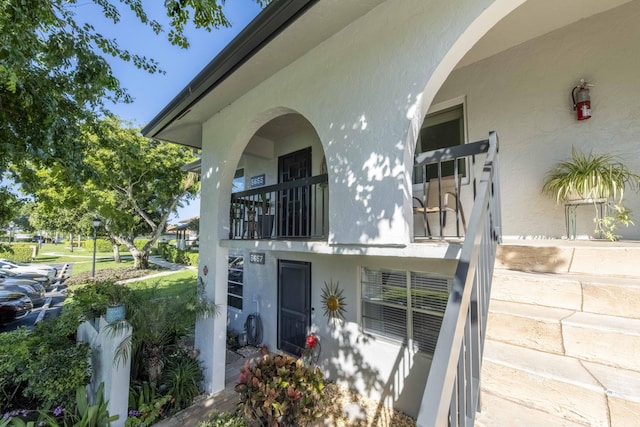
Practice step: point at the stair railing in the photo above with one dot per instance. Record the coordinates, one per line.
(452, 391)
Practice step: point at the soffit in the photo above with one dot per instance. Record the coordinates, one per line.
(533, 19)
(317, 24)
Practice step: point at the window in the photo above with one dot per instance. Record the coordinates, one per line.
(442, 129)
(238, 181)
(404, 306)
(235, 281)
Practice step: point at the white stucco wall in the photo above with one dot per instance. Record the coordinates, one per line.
(525, 94)
(357, 89)
(365, 91)
(377, 367)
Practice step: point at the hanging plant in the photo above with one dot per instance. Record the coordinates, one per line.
(333, 301)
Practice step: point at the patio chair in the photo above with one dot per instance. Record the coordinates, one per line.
(447, 202)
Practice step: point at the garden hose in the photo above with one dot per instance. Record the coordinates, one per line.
(253, 326)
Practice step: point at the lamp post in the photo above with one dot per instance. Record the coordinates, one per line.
(96, 224)
(11, 225)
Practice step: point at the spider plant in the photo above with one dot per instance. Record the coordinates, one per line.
(589, 176)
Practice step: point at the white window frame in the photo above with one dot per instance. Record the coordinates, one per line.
(409, 308)
(236, 283)
(437, 108)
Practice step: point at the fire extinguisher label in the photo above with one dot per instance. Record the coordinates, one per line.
(586, 111)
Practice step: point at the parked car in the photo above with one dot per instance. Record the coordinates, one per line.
(43, 279)
(29, 268)
(13, 306)
(33, 290)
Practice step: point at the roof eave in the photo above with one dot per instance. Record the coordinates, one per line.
(264, 27)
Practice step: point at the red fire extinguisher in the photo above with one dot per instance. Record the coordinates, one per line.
(582, 100)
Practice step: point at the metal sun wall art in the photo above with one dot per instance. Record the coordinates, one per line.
(333, 301)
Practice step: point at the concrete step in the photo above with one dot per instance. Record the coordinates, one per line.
(527, 325)
(498, 412)
(603, 339)
(578, 393)
(615, 296)
(592, 337)
(562, 256)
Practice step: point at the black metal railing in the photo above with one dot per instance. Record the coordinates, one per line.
(441, 174)
(453, 386)
(294, 209)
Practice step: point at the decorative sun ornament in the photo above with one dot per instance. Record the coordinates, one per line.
(333, 301)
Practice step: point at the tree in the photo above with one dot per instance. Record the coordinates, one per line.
(61, 218)
(133, 183)
(9, 205)
(54, 77)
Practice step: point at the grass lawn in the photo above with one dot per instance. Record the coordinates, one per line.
(50, 254)
(170, 285)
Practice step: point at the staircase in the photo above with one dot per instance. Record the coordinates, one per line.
(563, 336)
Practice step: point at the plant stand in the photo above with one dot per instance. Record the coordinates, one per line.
(570, 208)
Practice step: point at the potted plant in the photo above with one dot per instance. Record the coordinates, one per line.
(89, 303)
(593, 178)
(116, 297)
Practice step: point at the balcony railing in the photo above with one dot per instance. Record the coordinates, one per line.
(453, 386)
(442, 175)
(290, 210)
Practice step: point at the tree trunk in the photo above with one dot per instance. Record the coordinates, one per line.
(140, 259)
(71, 242)
(116, 250)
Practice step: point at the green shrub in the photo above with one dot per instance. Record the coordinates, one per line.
(80, 414)
(223, 419)
(44, 367)
(280, 390)
(140, 243)
(102, 245)
(145, 405)
(182, 375)
(20, 252)
(179, 256)
(93, 298)
(193, 258)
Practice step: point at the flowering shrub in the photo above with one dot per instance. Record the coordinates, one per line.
(311, 351)
(148, 413)
(280, 391)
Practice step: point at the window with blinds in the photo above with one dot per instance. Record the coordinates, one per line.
(235, 282)
(404, 306)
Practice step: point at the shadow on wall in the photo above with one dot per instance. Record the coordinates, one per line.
(403, 387)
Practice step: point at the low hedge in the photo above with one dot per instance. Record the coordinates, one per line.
(179, 256)
(104, 245)
(20, 252)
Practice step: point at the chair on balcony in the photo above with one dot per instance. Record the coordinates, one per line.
(448, 202)
(251, 225)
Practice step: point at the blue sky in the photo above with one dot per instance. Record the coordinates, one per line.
(152, 92)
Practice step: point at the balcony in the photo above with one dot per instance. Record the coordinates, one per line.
(291, 210)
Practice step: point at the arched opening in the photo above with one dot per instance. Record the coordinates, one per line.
(280, 187)
(516, 78)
